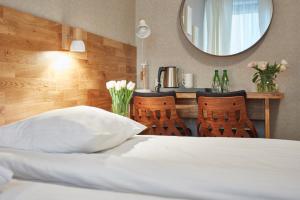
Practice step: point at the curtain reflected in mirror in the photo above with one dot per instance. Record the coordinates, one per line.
(225, 27)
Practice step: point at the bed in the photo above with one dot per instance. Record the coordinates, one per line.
(172, 167)
(29, 190)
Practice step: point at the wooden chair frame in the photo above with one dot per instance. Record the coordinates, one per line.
(159, 115)
(224, 117)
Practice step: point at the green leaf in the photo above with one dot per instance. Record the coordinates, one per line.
(255, 77)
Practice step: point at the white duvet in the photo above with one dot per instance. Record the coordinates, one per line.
(27, 190)
(177, 167)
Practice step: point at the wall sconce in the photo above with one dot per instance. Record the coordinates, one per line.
(73, 39)
(77, 44)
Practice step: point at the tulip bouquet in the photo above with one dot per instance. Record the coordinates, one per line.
(121, 94)
(265, 75)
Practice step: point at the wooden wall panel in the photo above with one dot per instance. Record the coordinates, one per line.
(37, 76)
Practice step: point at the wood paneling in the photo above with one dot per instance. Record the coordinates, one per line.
(37, 76)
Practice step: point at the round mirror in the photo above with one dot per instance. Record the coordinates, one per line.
(225, 27)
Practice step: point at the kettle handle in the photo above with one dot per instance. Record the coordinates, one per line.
(160, 70)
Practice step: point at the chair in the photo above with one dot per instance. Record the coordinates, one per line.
(157, 111)
(223, 115)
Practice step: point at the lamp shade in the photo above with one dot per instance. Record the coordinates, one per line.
(77, 46)
(143, 30)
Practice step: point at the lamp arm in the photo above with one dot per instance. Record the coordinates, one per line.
(142, 51)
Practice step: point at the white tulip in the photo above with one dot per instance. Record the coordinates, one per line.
(252, 64)
(284, 62)
(110, 84)
(282, 68)
(131, 85)
(118, 86)
(262, 65)
(123, 84)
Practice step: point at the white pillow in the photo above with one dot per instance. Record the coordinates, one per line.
(80, 129)
(5, 176)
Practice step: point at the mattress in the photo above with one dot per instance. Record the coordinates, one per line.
(173, 167)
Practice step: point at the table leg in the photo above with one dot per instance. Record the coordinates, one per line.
(267, 118)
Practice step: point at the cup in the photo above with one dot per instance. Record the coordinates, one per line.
(188, 81)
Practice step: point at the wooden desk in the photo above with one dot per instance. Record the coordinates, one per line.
(187, 107)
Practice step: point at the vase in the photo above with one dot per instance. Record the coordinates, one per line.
(267, 83)
(267, 87)
(120, 108)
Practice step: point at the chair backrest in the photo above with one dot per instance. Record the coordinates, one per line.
(159, 114)
(224, 116)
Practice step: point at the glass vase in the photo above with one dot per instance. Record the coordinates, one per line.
(267, 83)
(120, 108)
(267, 87)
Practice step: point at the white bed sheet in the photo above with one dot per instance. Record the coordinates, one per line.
(27, 190)
(177, 167)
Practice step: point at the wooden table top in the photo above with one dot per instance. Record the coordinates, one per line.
(250, 95)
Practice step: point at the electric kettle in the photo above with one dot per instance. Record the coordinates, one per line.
(170, 77)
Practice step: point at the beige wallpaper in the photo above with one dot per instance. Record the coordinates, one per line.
(167, 46)
(110, 18)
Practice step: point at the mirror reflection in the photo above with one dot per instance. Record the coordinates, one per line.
(225, 27)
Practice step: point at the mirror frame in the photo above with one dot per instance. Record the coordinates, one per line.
(260, 39)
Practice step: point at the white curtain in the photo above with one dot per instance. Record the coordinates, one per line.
(265, 14)
(217, 26)
(194, 15)
(245, 29)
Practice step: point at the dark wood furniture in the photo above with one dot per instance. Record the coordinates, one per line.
(158, 113)
(223, 115)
